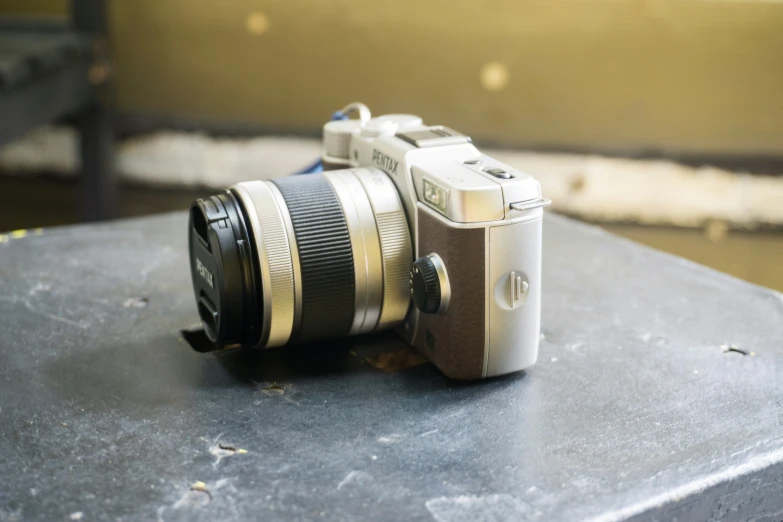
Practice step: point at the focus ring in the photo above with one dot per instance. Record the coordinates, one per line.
(325, 256)
(396, 252)
(395, 241)
(275, 257)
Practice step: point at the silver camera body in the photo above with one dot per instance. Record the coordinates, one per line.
(475, 225)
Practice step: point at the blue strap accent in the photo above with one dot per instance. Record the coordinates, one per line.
(338, 116)
(317, 166)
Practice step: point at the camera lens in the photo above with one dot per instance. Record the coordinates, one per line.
(300, 259)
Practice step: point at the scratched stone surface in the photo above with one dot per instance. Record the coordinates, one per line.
(635, 410)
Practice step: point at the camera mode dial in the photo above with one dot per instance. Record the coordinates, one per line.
(430, 287)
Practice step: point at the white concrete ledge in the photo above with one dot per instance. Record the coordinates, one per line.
(592, 187)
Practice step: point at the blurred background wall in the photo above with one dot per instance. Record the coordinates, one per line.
(678, 77)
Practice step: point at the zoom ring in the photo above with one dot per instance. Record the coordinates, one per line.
(325, 257)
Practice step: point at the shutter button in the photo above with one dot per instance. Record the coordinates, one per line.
(498, 173)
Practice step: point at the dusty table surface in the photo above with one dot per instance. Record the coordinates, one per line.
(634, 411)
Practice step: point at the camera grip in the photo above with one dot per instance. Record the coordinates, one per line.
(455, 341)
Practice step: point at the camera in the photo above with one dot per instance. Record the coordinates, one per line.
(408, 226)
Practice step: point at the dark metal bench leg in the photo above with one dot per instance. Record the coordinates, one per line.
(98, 178)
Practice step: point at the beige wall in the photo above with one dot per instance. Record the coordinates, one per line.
(679, 75)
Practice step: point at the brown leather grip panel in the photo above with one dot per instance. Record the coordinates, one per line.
(454, 342)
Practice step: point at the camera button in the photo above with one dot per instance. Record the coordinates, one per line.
(498, 173)
(430, 288)
(511, 290)
(472, 162)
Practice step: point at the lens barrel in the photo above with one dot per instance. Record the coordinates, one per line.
(301, 259)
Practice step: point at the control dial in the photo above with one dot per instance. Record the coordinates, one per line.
(430, 287)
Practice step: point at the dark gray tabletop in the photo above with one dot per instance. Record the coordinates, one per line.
(634, 411)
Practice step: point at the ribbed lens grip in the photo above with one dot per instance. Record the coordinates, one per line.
(272, 243)
(396, 251)
(325, 257)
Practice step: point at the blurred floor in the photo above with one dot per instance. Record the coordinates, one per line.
(754, 256)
